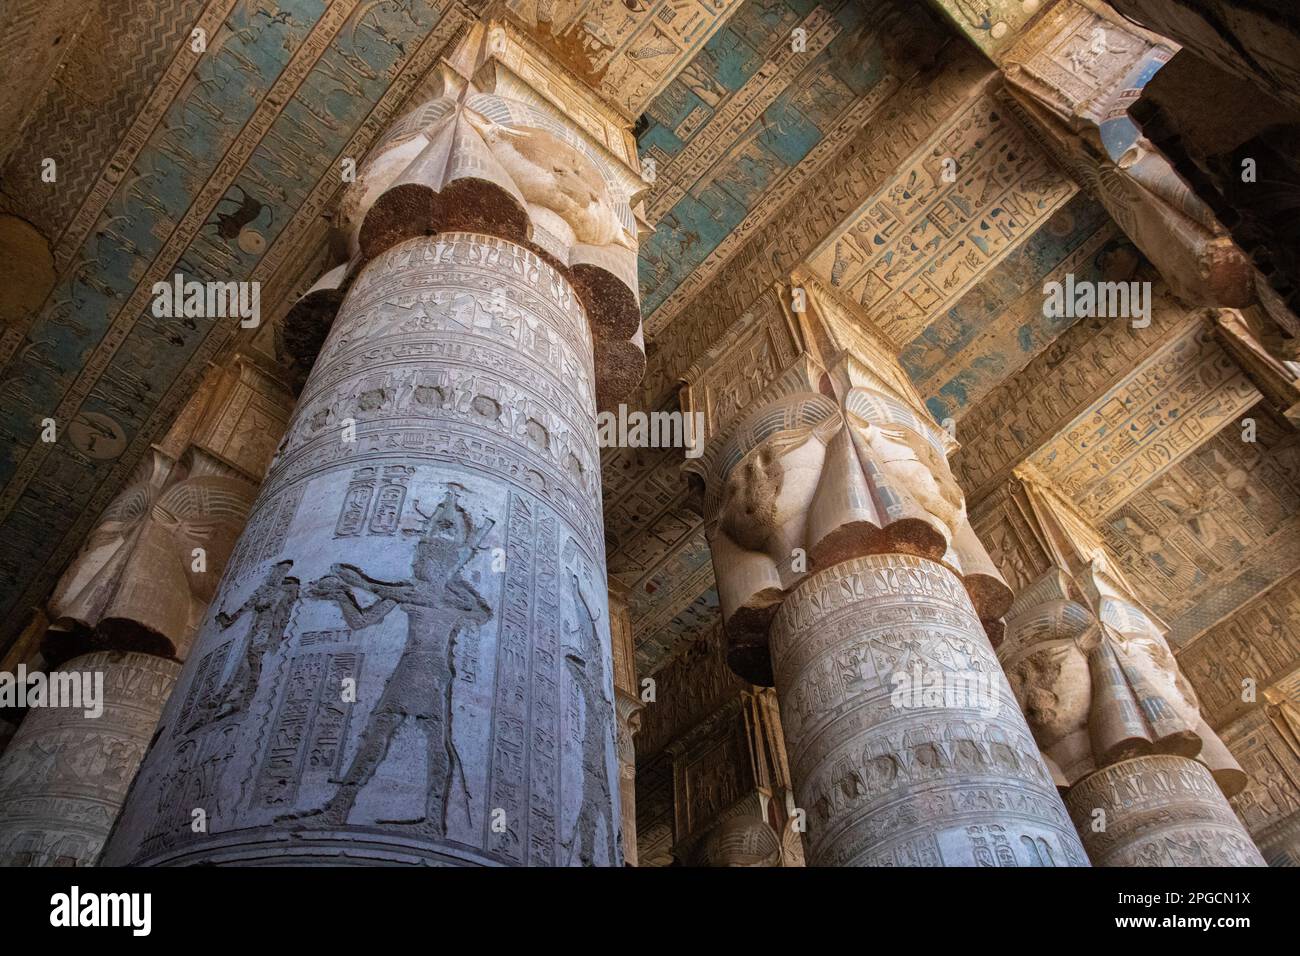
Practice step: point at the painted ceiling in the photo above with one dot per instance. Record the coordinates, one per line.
(223, 164)
(745, 113)
(214, 164)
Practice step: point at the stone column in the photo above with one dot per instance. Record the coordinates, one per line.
(849, 576)
(627, 703)
(1146, 779)
(124, 614)
(1158, 810)
(65, 775)
(408, 658)
(25, 651)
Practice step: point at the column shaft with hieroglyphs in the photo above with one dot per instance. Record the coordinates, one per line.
(850, 577)
(408, 659)
(124, 615)
(628, 706)
(1146, 779)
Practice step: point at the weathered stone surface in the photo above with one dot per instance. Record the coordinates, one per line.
(628, 708)
(1158, 810)
(64, 775)
(733, 801)
(841, 218)
(429, 538)
(139, 582)
(1266, 739)
(847, 570)
(1101, 689)
(742, 841)
(893, 780)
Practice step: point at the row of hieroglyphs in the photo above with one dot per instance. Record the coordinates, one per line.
(1166, 407)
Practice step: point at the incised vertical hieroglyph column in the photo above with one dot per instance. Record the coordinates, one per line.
(850, 578)
(123, 617)
(628, 707)
(1145, 778)
(418, 609)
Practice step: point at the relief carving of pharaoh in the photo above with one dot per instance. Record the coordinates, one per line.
(809, 480)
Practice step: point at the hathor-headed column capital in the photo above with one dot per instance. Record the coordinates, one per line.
(1088, 660)
(819, 450)
(503, 142)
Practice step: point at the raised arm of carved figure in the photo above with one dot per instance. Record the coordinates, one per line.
(335, 587)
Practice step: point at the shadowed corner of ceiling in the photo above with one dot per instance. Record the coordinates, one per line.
(26, 272)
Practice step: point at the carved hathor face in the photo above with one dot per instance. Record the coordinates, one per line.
(770, 488)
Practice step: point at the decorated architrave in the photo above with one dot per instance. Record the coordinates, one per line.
(1071, 76)
(848, 572)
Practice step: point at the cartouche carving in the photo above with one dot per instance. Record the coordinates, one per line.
(422, 578)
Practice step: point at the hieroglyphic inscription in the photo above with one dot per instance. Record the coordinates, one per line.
(918, 243)
(688, 690)
(64, 775)
(1259, 643)
(1216, 528)
(1269, 752)
(766, 247)
(1160, 810)
(1090, 357)
(439, 547)
(858, 757)
(1170, 404)
(311, 719)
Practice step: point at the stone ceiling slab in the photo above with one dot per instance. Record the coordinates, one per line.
(759, 253)
(1135, 431)
(1057, 387)
(992, 25)
(999, 326)
(751, 118)
(628, 51)
(915, 246)
(1215, 529)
